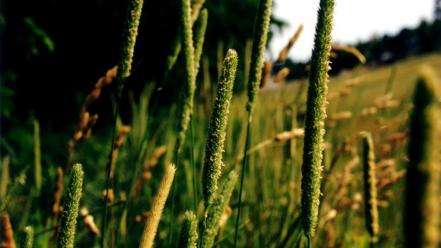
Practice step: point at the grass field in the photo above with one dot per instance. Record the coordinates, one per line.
(221, 170)
(271, 201)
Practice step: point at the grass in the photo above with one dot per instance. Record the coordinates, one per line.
(267, 201)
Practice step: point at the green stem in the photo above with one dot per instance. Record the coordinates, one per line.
(242, 177)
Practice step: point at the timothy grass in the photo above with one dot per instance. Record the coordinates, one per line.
(217, 127)
(423, 180)
(189, 233)
(261, 133)
(370, 186)
(315, 118)
(66, 237)
(158, 203)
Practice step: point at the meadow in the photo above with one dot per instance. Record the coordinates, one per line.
(316, 162)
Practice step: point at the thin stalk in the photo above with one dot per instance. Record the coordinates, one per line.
(260, 36)
(242, 177)
(124, 69)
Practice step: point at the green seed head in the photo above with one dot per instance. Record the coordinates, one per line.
(260, 38)
(189, 233)
(190, 78)
(315, 117)
(70, 212)
(215, 210)
(129, 40)
(199, 39)
(218, 125)
(370, 186)
(422, 209)
(28, 238)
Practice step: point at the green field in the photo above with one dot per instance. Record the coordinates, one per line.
(271, 200)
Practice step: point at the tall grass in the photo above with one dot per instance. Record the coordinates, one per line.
(217, 127)
(187, 99)
(260, 37)
(68, 223)
(151, 226)
(28, 238)
(189, 232)
(370, 187)
(315, 119)
(130, 34)
(422, 211)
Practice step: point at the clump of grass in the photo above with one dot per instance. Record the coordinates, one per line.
(186, 105)
(217, 127)
(315, 117)
(215, 210)
(370, 187)
(422, 211)
(189, 233)
(70, 211)
(151, 226)
(28, 238)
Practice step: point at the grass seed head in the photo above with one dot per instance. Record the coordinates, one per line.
(260, 38)
(218, 126)
(370, 186)
(189, 233)
(422, 211)
(315, 117)
(68, 223)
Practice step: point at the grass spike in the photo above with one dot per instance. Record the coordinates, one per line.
(28, 238)
(177, 41)
(68, 223)
(151, 226)
(422, 210)
(199, 39)
(186, 105)
(260, 37)
(215, 210)
(217, 127)
(189, 233)
(315, 117)
(370, 187)
(129, 41)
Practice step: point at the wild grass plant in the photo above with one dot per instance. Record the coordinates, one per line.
(315, 119)
(68, 223)
(422, 210)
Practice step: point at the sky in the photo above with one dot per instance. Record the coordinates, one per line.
(354, 20)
